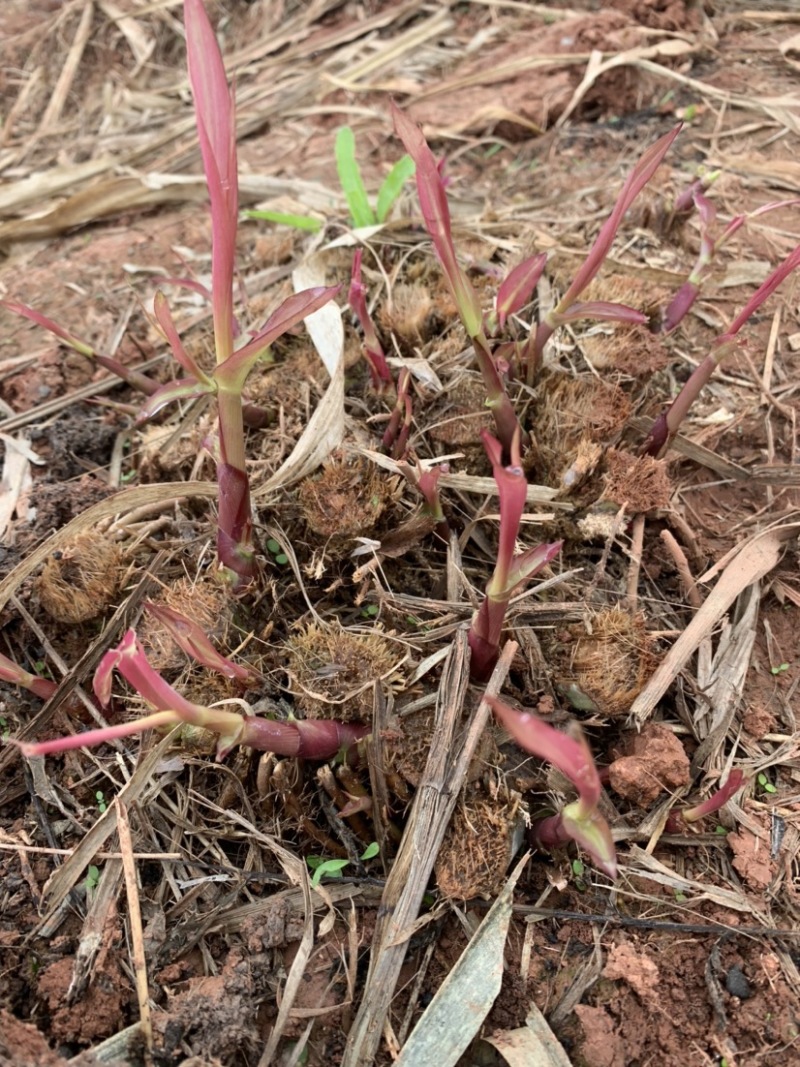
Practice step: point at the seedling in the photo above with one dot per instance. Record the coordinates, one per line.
(579, 821)
(780, 668)
(353, 184)
(92, 879)
(765, 784)
(361, 212)
(380, 374)
(709, 247)
(668, 423)
(677, 820)
(511, 569)
(277, 553)
(216, 130)
(333, 868)
(101, 801)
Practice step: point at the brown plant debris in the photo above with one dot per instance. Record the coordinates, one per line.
(79, 581)
(641, 483)
(346, 499)
(332, 670)
(478, 845)
(606, 664)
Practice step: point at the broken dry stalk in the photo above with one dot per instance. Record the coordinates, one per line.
(579, 821)
(511, 569)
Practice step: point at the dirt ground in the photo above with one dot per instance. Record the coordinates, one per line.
(155, 905)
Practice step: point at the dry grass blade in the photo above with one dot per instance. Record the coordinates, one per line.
(751, 563)
(433, 806)
(138, 785)
(325, 428)
(466, 996)
(135, 918)
(102, 908)
(532, 1045)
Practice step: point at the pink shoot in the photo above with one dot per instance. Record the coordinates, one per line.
(517, 288)
(395, 439)
(685, 297)
(667, 424)
(193, 640)
(511, 568)
(134, 378)
(436, 214)
(378, 367)
(317, 739)
(580, 821)
(736, 780)
(40, 687)
(638, 178)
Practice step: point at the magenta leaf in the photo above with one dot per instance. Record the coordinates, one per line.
(600, 311)
(231, 374)
(165, 321)
(357, 298)
(517, 288)
(47, 324)
(193, 640)
(736, 780)
(11, 672)
(181, 389)
(216, 131)
(436, 214)
(638, 178)
(569, 755)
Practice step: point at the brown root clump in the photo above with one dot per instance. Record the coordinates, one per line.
(410, 314)
(79, 581)
(634, 352)
(641, 483)
(346, 499)
(575, 419)
(333, 670)
(608, 663)
(478, 846)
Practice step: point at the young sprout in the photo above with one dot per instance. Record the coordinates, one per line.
(317, 739)
(685, 297)
(568, 308)
(677, 819)
(667, 424)
(40, 687)
(380, 374)
(436, 215)
(395, 438)
(579, 821)
(511, 568)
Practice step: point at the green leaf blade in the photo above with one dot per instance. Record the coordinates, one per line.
(392, 186)
(351, 180)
